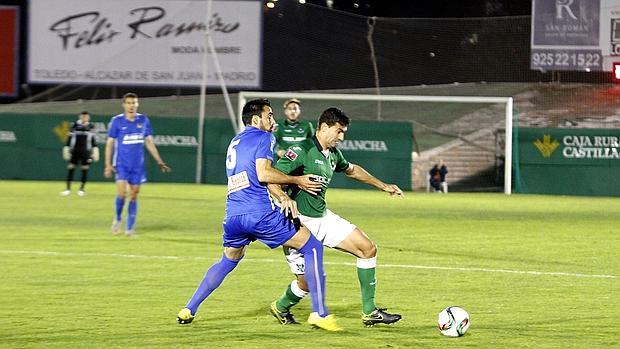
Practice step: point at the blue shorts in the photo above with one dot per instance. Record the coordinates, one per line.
(133, 175)
(269, 227)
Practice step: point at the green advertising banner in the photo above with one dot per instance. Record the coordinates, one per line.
(31, 144)
(218, 134)
(382, 148)
(567, 161)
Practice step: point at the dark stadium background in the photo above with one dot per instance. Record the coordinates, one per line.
(304, 50)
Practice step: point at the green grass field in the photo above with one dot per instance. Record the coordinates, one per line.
(533, 271)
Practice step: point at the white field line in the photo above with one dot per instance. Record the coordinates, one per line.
(268, 260)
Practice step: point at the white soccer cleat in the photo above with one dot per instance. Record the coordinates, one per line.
(81, 193)
(116, 227)
(131, 234)
(65, 192)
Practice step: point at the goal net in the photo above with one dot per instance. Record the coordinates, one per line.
(470, 133)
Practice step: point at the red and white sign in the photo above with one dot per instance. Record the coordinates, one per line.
(291, 155)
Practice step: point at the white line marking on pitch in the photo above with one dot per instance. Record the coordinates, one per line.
(268, 260)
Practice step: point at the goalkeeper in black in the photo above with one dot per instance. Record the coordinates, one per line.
(81, 149)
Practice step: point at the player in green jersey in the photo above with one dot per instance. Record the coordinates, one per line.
(291, 130)
(319, 156)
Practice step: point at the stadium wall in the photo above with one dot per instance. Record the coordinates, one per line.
(31, 144)
(567, 161)
(30, 148)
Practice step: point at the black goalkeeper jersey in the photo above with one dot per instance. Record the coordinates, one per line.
(81, 137)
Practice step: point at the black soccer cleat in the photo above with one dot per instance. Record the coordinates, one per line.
(379, 316)
(284, 318)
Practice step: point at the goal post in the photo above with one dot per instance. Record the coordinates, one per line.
(244, 96)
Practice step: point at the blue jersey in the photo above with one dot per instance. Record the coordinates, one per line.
(245, 193)
(129, 136)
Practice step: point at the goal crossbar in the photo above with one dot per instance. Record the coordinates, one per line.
(506, 101)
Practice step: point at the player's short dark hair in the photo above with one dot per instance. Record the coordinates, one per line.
(129, 95)
(333, 115)
(84, 112)
(253, 107)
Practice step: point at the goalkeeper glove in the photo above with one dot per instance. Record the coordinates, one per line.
(94, 154)
(66, 153)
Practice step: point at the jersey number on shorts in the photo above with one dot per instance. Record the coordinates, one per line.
(231, 155)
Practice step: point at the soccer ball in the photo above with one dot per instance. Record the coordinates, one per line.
(453, 321)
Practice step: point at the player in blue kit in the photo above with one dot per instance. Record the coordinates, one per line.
(128, 134)
(251, 214)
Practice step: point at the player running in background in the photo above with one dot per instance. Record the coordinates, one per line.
(320, 157)
(128, 134)
(291, 130)
(251, 214)
(81, 148)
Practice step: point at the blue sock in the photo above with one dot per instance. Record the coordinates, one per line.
(120, 202)
(212, 280)
(132, 211)
(315, 276)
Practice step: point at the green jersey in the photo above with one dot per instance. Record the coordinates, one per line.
(308, 157)
(290, 133)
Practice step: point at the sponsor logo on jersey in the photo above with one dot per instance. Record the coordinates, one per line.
(134, 138)
(320, 162)
(238, 182)
(293, 139)
(291, 155)
(321, 179)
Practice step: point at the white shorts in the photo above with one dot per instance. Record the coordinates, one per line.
(330, 230)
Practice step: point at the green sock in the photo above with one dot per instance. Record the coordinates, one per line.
(287, 300)
(368, 284)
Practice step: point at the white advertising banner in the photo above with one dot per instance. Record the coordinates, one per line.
(143, 42)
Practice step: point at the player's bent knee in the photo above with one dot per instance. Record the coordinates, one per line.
(366, 247)
(234, 254)
(368, 250)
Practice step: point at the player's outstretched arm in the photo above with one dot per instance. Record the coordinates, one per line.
(150, 146)
(360, 174)
(267, 174)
